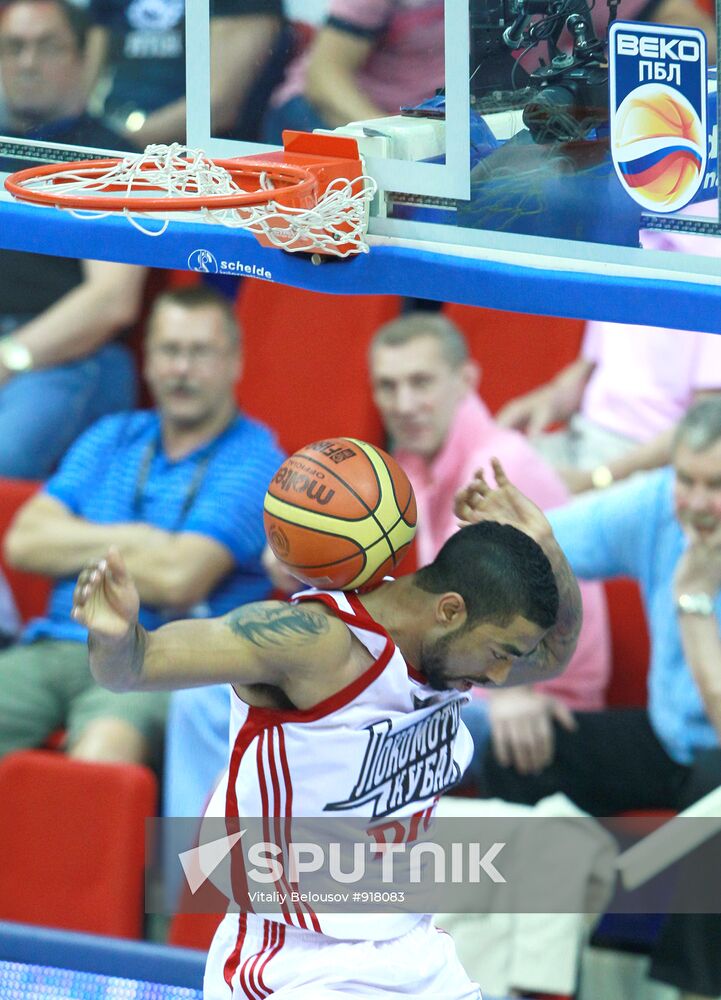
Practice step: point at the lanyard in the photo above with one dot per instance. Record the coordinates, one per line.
(191, 494)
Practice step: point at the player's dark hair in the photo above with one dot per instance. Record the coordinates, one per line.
(499, 571)
(200, 297)
(74, 15)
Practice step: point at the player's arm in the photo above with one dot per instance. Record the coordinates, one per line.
(333, 60)
(269, 642)
(507, 505)
(107, 300)
(559, 644)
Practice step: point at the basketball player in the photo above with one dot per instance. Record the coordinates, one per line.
(310, 678)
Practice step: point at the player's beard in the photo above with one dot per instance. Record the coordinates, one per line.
(434, 662)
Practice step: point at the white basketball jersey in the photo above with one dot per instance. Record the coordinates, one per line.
(386, 746)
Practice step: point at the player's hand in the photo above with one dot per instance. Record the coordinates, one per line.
(522, 727)
(531, 413)
(505, 504)
(106, 600)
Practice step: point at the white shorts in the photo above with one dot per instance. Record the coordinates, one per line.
(252, 958)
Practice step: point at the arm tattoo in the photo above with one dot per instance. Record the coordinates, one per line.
(559, 644)
(276, 626)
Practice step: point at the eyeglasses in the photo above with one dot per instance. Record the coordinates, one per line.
(199, 354)
(46, 47)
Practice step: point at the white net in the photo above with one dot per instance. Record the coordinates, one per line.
(336, 225)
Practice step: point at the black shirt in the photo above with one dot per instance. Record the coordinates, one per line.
(30, 282)
(147, 47)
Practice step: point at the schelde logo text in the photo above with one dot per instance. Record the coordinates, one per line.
(205, 262)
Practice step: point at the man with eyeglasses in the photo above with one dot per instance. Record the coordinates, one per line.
(62, 366)
(179, 492)
(42, 62)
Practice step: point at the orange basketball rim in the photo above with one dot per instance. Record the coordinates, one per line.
(313, 195)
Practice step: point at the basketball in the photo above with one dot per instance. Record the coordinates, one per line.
(340, 514)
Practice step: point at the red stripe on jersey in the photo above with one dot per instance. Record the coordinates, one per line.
(254, 723)
(279, 932)
(266, 738)
(416, 675)
(363, 616)
(285, 768)
(262, 956)
(251, 728)
(233, 959)
(246, 977)
(278, 826)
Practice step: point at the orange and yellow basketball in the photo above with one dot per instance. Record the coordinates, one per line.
(340, 514)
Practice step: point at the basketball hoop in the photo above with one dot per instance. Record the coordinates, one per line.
(311, 197)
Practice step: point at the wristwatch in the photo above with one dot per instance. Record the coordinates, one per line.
(16, 357)
(695, 604)
(601, 477)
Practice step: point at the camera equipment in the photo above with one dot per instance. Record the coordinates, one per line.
(493, 68)
(569, 92)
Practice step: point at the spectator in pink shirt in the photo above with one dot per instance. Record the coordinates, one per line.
(625, 393)
(424, 385)
(369, 58)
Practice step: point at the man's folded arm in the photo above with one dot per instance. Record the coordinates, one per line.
(171, 569)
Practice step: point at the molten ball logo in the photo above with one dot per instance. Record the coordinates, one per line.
(659, 147)
(278, 541)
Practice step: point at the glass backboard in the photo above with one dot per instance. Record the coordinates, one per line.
(489, 126)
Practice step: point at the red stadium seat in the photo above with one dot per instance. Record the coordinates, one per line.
(30, 591)
(72, 842)
(516, 352)
(306, 372)
(193, 930)
(629, 645)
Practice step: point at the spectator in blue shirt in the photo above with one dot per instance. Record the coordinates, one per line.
(664, 530)
(62, 361)
(179, 490)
